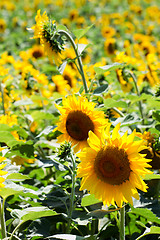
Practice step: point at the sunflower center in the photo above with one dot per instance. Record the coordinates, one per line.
(78, 125)
(68, 79)
(112, 165)
(37, 54)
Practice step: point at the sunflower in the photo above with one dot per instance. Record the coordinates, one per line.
(112, 168)
(126, 86)
(108, 31)
(110, 46)
(2, 25)
(78, 117)
(61, 85)
(45, 30)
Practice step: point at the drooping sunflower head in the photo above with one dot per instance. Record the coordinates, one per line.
(51, 40)
(78, 117)
(112, 168)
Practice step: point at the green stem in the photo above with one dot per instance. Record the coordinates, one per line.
(2, 95)
(138, 93)
(12, 235)
(122, 223)
(2, 219)
(118, 111)
(68, 36)
(71, 208)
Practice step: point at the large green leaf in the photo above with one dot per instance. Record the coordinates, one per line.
(22, 149)
(146, 213)
(156, 115)
(88, 200)
(17, 177)
(81, 32)
(135, 98)
(23, 102)
(152, 230)
(110, 103)
(6, 192)
(32, 213)
(152, 176)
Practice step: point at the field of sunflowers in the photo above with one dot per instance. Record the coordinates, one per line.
(80, 119)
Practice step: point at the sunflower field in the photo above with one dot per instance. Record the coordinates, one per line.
(80, 119)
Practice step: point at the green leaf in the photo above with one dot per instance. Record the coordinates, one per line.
(62, 67)
(46, 131)
(111, 67)
(37, 115)
(153, 103)
(7, 137)
(88, 200)
(66, 237)
(110, 103)
(146, 213)
(81, 47)
(101, 89)
(6, 192)
(152, 176)
(62, 27)
(17, 177)
(142, 97)
(152, 230)
(23, 102)
(156, 115)
(22, 149)
(81, 32)
(32, 213)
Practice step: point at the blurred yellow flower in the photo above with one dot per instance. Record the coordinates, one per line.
(21, 160)
(2, 25)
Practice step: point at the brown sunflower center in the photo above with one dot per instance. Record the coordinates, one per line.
(112, 165)
(78, 125)
(37, 54)
(68, 79)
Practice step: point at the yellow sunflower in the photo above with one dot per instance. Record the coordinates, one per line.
(78, 117)
(2, 25)
(42, 30)
(112, 167)
(61, 85)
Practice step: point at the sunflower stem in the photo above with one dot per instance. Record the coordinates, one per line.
(138, 93)
(71, 208)
(12, 235)
(2, 219)
(122, 224)
(2, 96)
(118, 111)
(69, 37)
